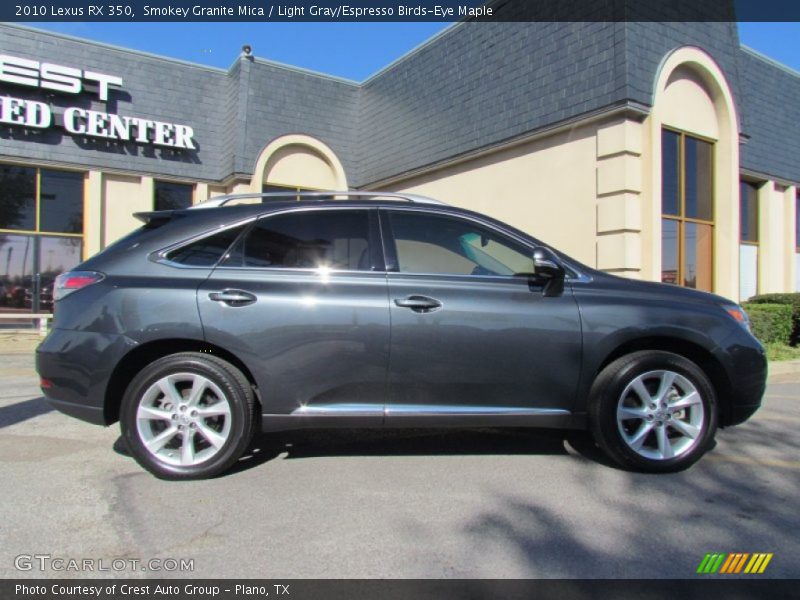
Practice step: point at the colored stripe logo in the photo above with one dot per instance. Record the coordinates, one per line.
(734, 562)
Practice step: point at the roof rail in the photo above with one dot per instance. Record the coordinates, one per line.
(219, 201)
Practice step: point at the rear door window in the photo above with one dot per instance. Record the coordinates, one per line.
(332, 239)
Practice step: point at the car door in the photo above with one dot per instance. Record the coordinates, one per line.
(472, 331)
(301, 298)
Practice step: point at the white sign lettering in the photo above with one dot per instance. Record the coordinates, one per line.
(29, 113)
(58, 78)
(80, 121)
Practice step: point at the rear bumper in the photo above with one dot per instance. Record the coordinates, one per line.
(90, 414)
(78, 365)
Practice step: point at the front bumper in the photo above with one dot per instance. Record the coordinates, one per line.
(745, 362)
(740, 414)
(79, 365)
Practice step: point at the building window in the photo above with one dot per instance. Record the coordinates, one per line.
(172, 196)
(797, 242)
(687, 198)
(797, 221)
(41, 235)
(748, 240)
(748, 213)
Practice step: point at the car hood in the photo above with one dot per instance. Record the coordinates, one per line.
(664, 290)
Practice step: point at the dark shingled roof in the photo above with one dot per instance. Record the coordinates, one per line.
(470, 87)
(482, 83)
(771, 104)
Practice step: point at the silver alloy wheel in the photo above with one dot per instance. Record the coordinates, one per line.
(660, 415)
(183, 419)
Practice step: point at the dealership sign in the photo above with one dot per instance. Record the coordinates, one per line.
(80, 121)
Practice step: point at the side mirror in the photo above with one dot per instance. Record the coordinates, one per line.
(547, 268)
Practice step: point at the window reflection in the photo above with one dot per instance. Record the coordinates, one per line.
(698, 265)
(698, 179)
(797, 221)
(29, 265)
(61, 202)
(748, 211)
(56, 255)
(16, 272)
(172, 196)
(669, 251)
(688, 210)
(670, 172)
(30, 256)
(17, 198)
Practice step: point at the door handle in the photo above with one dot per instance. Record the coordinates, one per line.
(421, 304)
(233, 297)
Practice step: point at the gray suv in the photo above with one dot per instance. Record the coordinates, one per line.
(209, 324)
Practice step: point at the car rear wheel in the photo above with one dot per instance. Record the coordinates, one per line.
(653, 411)
(188, 416)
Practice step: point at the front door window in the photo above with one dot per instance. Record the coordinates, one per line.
(440, 244)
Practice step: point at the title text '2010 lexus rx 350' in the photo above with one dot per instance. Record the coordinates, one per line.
(208, 324)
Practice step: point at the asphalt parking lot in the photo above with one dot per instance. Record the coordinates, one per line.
(402, 504)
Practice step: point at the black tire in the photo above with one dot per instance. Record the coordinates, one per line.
(606, 397)
(229, 381)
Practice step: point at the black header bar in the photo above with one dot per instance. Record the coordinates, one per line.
(700, 588)
(397, 10)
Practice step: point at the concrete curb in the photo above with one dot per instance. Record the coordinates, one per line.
(784, 367)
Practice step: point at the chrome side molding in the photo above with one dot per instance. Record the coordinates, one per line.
(375, 410)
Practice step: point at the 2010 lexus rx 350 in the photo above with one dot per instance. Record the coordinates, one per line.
(379, 310)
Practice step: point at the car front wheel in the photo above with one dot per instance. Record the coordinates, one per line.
(188, 416)
(653, 411)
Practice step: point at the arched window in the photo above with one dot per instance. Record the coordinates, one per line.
(694, 134)
(687, 210)
(297, 163)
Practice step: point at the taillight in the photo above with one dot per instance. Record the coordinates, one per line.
(69, 282)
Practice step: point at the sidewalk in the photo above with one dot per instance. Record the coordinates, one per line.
(19, 343)
(784, 367)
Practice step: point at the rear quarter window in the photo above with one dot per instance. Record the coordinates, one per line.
(205, 252)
